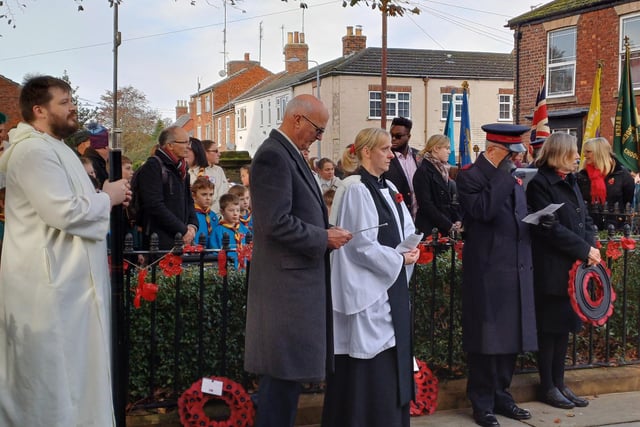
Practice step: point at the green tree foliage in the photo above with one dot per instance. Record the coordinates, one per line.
(137, 121)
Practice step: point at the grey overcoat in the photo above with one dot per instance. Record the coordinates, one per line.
(288, 331)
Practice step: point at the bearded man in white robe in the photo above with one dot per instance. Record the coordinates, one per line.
(54, 281)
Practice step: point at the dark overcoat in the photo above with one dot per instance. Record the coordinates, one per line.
(166, 201)
(288, 331)
(556, 249)
(434, 197)
(396, 175)
(498, 314)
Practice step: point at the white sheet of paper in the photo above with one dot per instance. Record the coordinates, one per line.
(410, 243)
(210, 386)
(534, 218)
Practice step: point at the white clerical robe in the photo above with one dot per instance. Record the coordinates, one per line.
(362, 271)
(54, 289)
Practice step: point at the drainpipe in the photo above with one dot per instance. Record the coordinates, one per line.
(426, 104)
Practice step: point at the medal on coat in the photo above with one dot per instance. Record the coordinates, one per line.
(591, 292)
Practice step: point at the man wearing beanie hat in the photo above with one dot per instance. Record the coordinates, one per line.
(98, 151)
(498, 318)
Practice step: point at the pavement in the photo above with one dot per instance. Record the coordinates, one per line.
(613, 394)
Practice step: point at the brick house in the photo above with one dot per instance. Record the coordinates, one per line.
(9, 101)
(564, 40)
(419, 86)
(209, 119)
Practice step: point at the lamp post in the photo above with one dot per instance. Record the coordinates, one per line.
(296, 59)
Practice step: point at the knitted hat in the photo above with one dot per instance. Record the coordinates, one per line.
(77, 138)
(99, 135)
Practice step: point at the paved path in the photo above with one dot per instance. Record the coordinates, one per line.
(611, 410)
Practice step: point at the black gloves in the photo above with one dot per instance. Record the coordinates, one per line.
(548, 221)
(507, 164)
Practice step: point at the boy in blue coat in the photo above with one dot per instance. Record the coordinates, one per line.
(230, 224)
(202, 192)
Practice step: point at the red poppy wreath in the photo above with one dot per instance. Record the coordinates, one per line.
(191, 405)
(426, 399)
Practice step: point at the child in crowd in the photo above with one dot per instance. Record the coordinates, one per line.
(127, 168)
(328, 198)
(230, 224)
(88, 166)
(245, 201)
(245, 171)
(202, 192)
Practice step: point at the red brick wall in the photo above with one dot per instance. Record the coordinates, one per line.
(597, 39)
(9, 105)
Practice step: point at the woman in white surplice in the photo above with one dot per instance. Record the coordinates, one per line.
(372, 384)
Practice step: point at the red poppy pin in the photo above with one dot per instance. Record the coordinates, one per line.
(611, 181)
(399, 198)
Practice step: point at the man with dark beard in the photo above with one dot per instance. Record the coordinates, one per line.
(404, 164)
(54, 279)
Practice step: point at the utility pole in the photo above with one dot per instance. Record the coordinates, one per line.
(383, 71)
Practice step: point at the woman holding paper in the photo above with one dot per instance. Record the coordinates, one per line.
(372, 383)
(558, 241)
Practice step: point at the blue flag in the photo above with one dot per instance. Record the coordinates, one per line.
(448, 129)
(465, 129)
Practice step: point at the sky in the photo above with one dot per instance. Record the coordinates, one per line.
(170, 45)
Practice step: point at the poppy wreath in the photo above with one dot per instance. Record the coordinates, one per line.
(191, 405)
(426, 399)
(593, 304)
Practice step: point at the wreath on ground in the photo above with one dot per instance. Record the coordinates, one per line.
(191, 405)
(426, 399)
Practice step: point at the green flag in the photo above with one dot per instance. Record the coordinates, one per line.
(625, 133)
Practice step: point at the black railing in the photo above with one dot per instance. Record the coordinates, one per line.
(195, 327)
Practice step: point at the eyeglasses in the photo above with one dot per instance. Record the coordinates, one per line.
(212, 151)
(319, 130)
(398, 135)
(183, 142)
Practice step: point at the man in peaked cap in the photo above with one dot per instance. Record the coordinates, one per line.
(535, 146)
(498, 319)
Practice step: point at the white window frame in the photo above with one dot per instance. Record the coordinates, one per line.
(199, 132)
(281, 105)
(241, 115)
(207, 131)
(261, 113)
(634, 47)
(198, 106)
(445, 98)
(207, 104)
(559, 66)
(395, 102)
(227, 130)
(505, 99)
(219, 131)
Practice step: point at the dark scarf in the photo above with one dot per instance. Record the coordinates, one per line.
(181, 164)
(598, 187)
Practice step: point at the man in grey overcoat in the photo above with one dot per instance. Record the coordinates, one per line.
(289, 337)
(498, 317)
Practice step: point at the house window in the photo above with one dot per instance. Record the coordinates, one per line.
(199, 132)
(281, 104)
(457, 106)
(261, 113)
(398, 104)
(561, 68)
(198, 106)
(219, 139)
(207, 131)
(505, 106)
(269, 111)
(242, 118)
(227, 130)
(631, 27)
(207, 103)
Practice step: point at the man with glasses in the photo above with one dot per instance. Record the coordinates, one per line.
(403, 165)
(215, 173)
(164, 191)
(289, 338)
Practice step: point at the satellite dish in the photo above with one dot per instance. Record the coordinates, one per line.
(222, 73)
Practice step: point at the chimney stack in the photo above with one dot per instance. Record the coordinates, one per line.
(235, 66)
(181, 108)
(296, 48)
(353, 43)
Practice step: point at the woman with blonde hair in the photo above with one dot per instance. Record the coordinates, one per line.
(557, 242)
(602, 179)
(435, 191)
(372, 384)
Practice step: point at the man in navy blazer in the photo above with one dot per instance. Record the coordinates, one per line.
(289, 336)
(404, 163)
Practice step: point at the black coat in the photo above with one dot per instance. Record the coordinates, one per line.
(434, 196)
(620, 189)
(99, 165)
(555, 250)
(497, 273)
(165, 198)
(396, 175)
